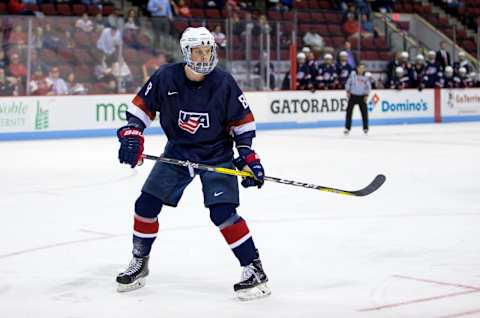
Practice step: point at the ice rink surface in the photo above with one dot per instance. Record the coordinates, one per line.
(411, 249)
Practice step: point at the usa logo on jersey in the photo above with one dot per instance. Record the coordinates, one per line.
(192, 121)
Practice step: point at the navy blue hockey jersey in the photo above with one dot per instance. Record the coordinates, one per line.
(200, 119)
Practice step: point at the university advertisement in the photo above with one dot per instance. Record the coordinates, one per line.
(460, 104)
(62, 113)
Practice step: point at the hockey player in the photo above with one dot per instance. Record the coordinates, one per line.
(400, 81)
(303, 72)
(417, 73)
(203, 113)
(465, 80)
(433, 73)
(327, 74)
(343, 69)
(462, 62)
(450, 80)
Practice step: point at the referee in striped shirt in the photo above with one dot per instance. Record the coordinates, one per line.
(358, 87)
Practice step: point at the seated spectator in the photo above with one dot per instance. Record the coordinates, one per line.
(103, 68)
(8, 85)
(84, 24)
(74, 87)
(261, 25)
(152, 64)
(110, 39)
(39, 84)
(122, 74)
(18, 38)
(113, 19)
(314, 40)
(132, 22)
(219, 36)
(37, 38)
(3, 59)
(367, 27)
(351, 27)
(37, 62)
(59, 86)
(362, 7)
(16, 68)
(51, 39)
(99, 23)
(68, 40)
(181, 9)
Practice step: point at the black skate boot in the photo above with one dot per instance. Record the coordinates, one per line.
(134, 276)
(253, 283)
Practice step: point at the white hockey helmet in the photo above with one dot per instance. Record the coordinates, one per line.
(196, 37)
(448, 71)
(462, 71)
(301, 57)
(399, 71)
(419, 58)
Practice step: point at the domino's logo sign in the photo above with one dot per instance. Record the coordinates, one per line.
(399, 105)
(191, 122)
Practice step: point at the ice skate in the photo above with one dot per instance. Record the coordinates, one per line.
(253, 283)
(346, 132)
(134, 276)
(365, 131)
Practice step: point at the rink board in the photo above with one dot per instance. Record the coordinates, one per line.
(99, 115)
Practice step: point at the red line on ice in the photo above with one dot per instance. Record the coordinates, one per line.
(420, 300)
(436, 282)
(466, 313)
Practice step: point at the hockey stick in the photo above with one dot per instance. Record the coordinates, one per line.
(372, 187)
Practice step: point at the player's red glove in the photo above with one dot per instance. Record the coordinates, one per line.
(131, 145)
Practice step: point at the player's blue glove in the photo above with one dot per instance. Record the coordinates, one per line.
(131, 145)
(250, 161)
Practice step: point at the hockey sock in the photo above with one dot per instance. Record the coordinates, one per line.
(235, 231)
(145, 224)
(144, 234)
(240, 241)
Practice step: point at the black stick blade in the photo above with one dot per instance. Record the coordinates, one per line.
(372, 187)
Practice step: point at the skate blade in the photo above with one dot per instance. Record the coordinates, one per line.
(256, 292)
(139, 283)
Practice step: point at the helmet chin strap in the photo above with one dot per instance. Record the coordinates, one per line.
(194, 72)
